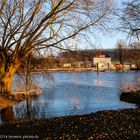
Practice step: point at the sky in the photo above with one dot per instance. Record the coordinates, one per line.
(103, 40)
(107, 40)
(110, 40)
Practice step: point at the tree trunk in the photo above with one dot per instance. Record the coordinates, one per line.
(7, 114)
(6, 83)
(6, 78)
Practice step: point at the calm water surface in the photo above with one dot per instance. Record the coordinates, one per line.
(72, 94)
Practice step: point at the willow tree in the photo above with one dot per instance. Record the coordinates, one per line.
(27, 26)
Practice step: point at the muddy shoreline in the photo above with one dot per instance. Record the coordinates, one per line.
(115, 125)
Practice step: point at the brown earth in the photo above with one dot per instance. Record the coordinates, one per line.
(103, 125)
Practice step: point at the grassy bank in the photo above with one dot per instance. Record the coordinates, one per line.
(104, 125)
(10, 100)
(4, 103)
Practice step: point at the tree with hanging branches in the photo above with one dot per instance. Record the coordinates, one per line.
(28, 26)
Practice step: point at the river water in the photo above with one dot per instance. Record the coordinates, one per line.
(75, 93)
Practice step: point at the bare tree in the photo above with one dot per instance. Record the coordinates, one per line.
(28, 26)
(129, 17)
(2, 3)
(134, 54)
(121, 49)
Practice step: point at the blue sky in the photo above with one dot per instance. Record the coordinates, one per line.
(107, 40)
(110, 39)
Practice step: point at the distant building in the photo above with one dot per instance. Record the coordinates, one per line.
(66, 65)
(102, 60)
(133, 66)
(117, 66)
(105, 58)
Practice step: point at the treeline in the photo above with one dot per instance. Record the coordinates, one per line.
(83, 58)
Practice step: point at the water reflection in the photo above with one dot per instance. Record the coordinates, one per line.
(98, 82)
(75, 102)
(72, 94)
(69, 102)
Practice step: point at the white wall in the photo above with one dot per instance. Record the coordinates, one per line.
(102, 62)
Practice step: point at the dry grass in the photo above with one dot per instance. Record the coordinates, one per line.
(10, 100)
(6, 103)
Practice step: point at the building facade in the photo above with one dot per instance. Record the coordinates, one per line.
(102, 61)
